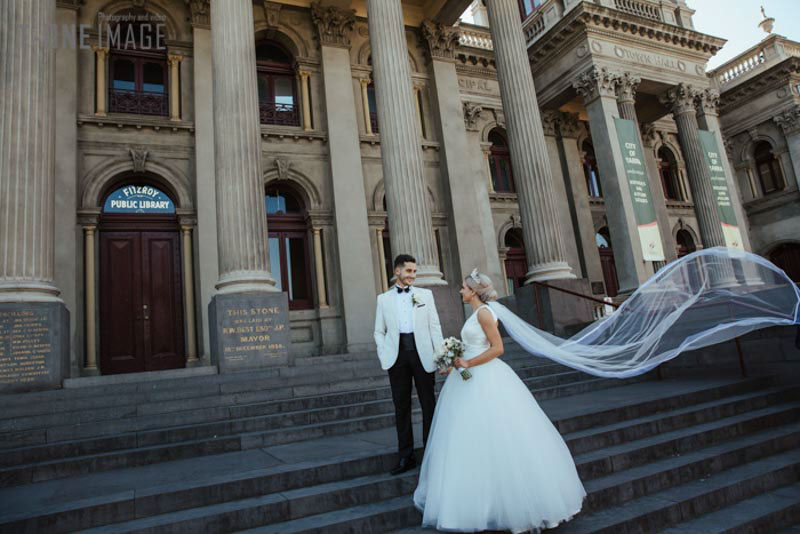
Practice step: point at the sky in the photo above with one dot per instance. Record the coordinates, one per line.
(737, 21)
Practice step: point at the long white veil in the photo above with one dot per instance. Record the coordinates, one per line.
(704, 298)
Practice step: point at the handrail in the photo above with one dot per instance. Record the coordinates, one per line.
(576, 294)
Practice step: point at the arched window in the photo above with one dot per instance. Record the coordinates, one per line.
(516, 264)
(668, 169)
(768, 169)
(787, 257)
(590, 170)
(685, 243)
(289, 257)
(137, 65)
(277, 99)
(500, 163)
(526, 7)
(373, 107)
(603, 239)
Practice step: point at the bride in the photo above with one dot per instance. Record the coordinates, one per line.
(493, 461)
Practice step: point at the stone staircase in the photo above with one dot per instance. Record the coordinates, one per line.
(306, 449)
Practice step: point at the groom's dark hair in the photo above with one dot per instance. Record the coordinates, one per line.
(402, 259)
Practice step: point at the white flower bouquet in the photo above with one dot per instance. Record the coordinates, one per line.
(451, 349)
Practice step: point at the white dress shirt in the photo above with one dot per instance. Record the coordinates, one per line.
(405, 311)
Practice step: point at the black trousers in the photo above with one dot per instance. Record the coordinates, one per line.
(406, 368)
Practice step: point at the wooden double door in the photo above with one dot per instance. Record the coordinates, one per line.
(141, 300)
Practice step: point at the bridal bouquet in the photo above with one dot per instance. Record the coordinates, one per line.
(451, 349)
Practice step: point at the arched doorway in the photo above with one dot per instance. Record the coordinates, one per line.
(767, 168)
(141, 299)
(685, 243)
(289, 256)
(516, 263)
(787, 257)
(500, 163)
(603, 239)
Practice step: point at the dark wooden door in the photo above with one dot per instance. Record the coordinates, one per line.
(609, 271)
(787, 257)
(516, 269)
(141, 303)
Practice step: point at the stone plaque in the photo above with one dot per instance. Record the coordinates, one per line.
(249, 331)
(34, 346)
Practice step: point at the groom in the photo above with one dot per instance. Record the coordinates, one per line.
(407, 332)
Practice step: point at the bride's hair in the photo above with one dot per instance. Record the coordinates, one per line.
(481, 285)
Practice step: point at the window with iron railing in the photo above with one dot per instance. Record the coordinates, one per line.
(526, 7)
(277, 90)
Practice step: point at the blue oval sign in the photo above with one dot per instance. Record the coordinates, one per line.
(138, 199)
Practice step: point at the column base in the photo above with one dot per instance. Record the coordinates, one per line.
(14, 291)
(246, 282)
(34, 337)
(429, 275)
(90, 371)
(559, 270)
(249, 331)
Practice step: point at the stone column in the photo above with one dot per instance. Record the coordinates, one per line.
(365, 105)
(381, 258)
(188, 295)
(471, 227)
(174, 61)
(532, 172)
(241, 217)
(417, 92)
(410, 223)
(681, 101)
(570, 129)
(304, 80)
(789, 121)
(206, 234)
(90, 308)
(597, 88)
(708, 119)
(100, 80)
(347, 179)
(27, 146)
(649, 138)
(320, 271)
(627, 85)
(486, 150)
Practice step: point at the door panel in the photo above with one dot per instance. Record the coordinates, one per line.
(609, 271)
(121, 321)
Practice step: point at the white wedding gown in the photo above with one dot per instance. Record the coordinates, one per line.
(494, 461)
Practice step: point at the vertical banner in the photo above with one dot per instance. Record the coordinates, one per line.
(639, 187)
(722, 193)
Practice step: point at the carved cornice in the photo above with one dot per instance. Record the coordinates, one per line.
(334, 25)
(439, 41)
(627, 84)
(569, 125)
(680, 99)
(594, 83)
(777, 78)
(472, 112)
(201, 12)
(789, 120)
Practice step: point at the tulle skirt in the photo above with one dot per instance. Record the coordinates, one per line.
(494, 461)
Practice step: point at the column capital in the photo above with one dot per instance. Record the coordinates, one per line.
(627, 84)
(680, 99)
(550, 120)
(174, 59)
(100, 51)
(569, 125)
(89, 228)
(707, 102)
(789, 120)
(365, 80)
(303, 72)
(594, 83)
(333, 24)
(201, 12)
(440, 40)
(472, 113)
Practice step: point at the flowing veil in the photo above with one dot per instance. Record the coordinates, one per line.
(704, 298)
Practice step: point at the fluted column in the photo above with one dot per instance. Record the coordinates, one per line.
(304, 79)
(411, 229)
(532, 173)
(365, 105)
(322, 294)
(789, 122)
(188, 294)
(681, 101)
(241, 217)
(174, 61)
(90, 307)
(27, 145)
(627, 84)
(100, 79)
(382, 259)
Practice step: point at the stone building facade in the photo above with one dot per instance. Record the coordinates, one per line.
(299, 146)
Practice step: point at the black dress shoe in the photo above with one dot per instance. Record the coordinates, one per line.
(406, 464)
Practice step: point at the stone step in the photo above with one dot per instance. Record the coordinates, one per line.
(195, 494)
(35, 463)
(769, 512)
(688, 501)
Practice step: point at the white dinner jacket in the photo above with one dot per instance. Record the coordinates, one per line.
(427, 330)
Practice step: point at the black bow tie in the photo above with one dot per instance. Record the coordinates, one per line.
(403, 289)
